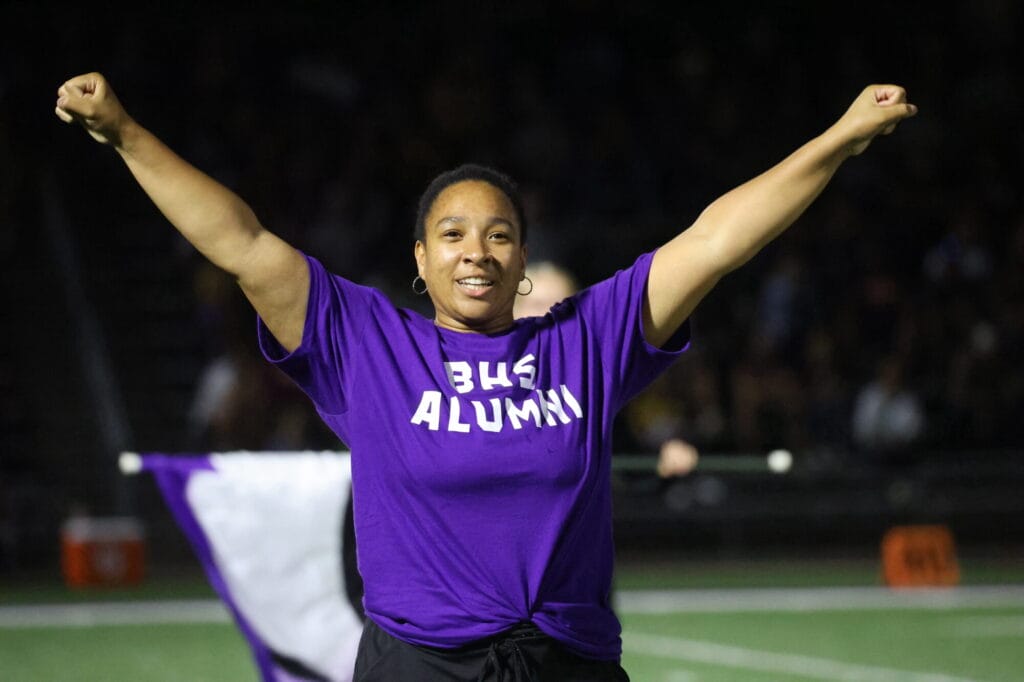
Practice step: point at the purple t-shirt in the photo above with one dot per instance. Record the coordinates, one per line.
(480, 463)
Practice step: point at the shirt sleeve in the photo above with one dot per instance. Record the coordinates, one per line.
(613, 309)
(336, 313)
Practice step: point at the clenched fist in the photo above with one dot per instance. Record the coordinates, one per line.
(876, 111)
(89, 101)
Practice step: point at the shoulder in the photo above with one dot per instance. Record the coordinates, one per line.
(327, 284)
(623, 290)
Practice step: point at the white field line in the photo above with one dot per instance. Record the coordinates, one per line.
(87, 615)
(817, 599)
(680, 676)
(629, 602)
(691, 650)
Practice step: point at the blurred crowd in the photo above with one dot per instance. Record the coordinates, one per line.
(888, 322)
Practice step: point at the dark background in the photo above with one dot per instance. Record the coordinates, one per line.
(620, 124)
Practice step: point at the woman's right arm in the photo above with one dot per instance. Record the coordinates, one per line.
(272, 274)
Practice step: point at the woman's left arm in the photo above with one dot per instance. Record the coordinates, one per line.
(739, 223)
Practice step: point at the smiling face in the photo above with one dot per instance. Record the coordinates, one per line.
(472, 257)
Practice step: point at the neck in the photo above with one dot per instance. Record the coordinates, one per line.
(495, 326)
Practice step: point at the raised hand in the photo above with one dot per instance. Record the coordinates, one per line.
(676, 458)
(89, 101)
(876, 111)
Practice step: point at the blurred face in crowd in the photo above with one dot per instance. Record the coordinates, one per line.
(472, 257)
(551, 284)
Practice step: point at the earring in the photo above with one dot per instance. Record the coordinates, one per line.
(424, 289)
(528, 291)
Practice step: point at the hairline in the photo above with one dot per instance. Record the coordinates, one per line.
(470, 173)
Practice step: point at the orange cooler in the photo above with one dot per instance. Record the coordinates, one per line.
(102, 551)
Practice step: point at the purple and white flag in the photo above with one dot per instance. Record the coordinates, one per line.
(268, 530)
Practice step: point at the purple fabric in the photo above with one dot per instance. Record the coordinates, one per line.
(172, 474)
(481, 463)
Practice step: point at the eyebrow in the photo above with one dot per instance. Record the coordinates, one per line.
(494, 220)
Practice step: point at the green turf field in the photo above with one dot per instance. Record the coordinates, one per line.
(681, 624)
(936, 645)
(199, 652)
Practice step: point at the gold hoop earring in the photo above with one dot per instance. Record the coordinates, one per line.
(416, 291)
(528, 291)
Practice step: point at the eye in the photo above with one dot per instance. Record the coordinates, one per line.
(451, 234)
(499, 236)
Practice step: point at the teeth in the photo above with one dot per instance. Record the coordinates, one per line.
(475, 281)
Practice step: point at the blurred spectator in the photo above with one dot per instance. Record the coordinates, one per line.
(240, 401)
(781, 314)
(769, 402)
(961, 257)
(828, 411)
(888, 417)
(661, 419)
(550, 284)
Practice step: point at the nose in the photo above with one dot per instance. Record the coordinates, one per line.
(475, 250)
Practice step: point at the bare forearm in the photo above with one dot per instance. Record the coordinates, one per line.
(741, 222)
(273, 275)
(209, 215)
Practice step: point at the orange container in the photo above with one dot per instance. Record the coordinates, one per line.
(102, 551)
(920, 556)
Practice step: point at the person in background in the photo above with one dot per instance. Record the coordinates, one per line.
(888, 417)
(552, 284)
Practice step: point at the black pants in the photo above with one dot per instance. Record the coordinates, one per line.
(522, 654)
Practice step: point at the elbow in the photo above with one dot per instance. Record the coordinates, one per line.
(720, 243)
(731, 238)
(726, 254)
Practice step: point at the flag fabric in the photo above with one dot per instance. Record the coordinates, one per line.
(269, 530)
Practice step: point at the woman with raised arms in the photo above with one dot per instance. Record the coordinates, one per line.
(481, 444)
